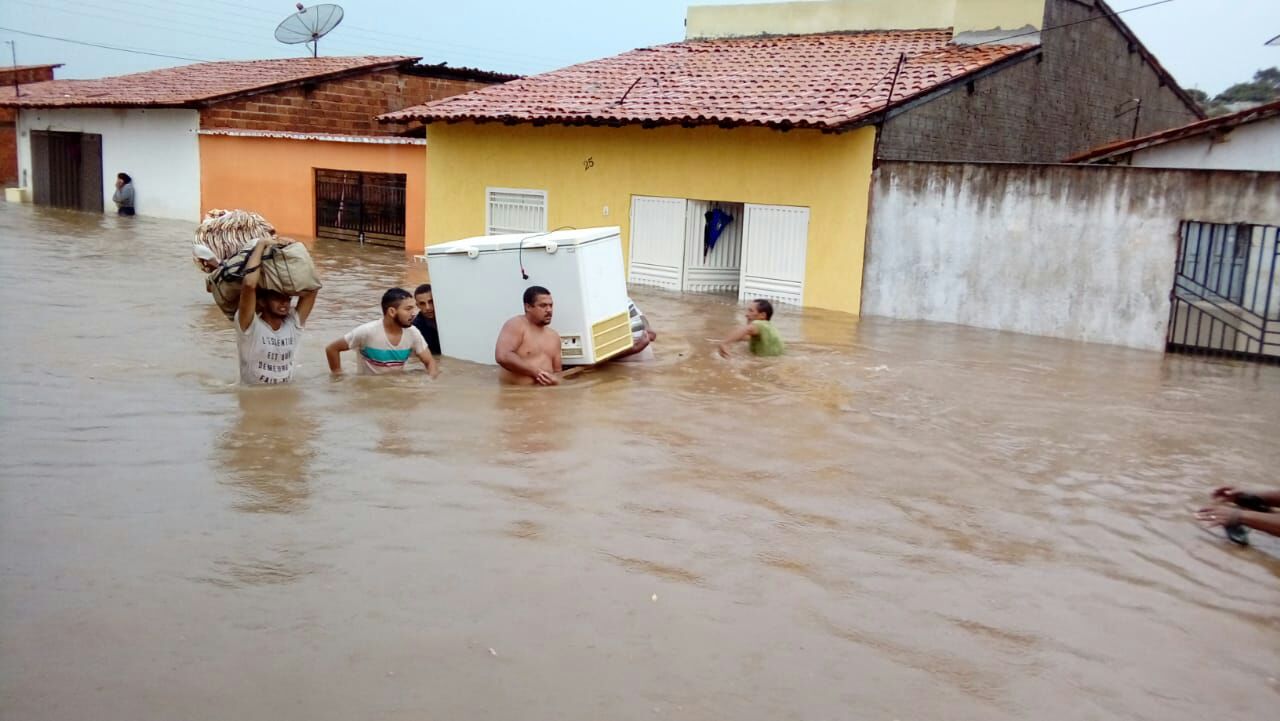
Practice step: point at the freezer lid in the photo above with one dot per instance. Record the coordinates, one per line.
(487, 243)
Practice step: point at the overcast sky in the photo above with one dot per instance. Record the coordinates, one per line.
(1206, 44)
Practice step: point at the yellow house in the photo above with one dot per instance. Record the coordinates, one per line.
(775, 132)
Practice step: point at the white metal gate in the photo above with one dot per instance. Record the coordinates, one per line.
(774, 244)
(657, 242)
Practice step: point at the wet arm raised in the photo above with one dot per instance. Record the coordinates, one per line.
(306, 302)
(249, 288)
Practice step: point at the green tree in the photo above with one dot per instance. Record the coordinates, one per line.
(1264, 88)
(1211, 107)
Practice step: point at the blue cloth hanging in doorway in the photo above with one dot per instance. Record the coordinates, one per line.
(717, 221)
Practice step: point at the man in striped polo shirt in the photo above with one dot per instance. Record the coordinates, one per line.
(384, 346)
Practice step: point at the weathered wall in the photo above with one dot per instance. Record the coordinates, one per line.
(286, 195)
(1079, 252)
(789, 18)
(1255, 146)
(157, 148)
(345, 106)
(1047, 108)
(829, 174)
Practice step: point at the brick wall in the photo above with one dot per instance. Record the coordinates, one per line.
(1043, 109)
(8, 121)
(25, 75)
(8, 147)
(346, 106)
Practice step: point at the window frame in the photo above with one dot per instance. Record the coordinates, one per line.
(530, 192)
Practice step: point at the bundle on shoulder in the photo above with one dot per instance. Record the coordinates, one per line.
(227, 237)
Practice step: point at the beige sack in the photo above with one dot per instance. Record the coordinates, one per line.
(286, 268)
(227, 232)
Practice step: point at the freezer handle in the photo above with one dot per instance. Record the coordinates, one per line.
(470, 250)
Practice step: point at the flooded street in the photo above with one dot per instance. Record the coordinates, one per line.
(895, 521)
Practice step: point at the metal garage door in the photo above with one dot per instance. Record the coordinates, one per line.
(657, 242)
(364, 207)
(775, 242)
(66, 170)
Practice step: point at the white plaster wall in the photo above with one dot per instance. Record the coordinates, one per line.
(158, 148)
(1255, 146)
(1079, 252)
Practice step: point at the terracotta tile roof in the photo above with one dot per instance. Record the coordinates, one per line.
(193, 85)
(319, 137)
(1219, 124)
(825, 81)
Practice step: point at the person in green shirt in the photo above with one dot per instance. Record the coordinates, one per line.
(762, 338)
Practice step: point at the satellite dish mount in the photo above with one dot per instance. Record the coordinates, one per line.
(308, 25)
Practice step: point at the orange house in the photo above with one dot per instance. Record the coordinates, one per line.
(319, 185)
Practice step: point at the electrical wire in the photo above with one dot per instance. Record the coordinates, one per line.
(199, 22)
(375, 37)
(520, 251)
(240, 40)
(1104, 16)
(909, 58)
(135, 51)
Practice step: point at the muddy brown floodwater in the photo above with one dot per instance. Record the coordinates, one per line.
(895, 521)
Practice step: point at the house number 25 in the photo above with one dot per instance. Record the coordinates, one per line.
(588, 164)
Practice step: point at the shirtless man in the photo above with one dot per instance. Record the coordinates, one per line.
(528, 349)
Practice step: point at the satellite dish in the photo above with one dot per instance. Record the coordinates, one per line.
(308, 25)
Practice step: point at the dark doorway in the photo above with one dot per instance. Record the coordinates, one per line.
(67, 170)
(363, 207)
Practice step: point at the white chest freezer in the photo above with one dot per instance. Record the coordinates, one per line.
(477, 286)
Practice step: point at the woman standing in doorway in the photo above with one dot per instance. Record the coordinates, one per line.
(123, 197)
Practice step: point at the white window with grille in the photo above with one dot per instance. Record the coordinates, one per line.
(513, 210)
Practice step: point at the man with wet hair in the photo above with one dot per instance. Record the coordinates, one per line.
(384, 346)
(528, 349)
(425, 321)
(762, 338)
(269, 326)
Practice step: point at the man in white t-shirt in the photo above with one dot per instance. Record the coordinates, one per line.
(269, 327)
(384, 346)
